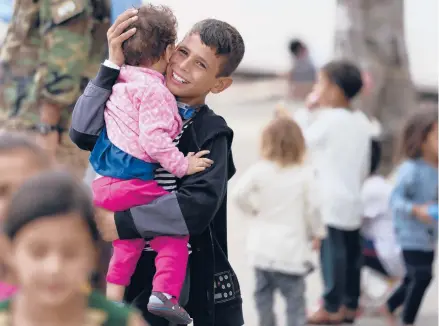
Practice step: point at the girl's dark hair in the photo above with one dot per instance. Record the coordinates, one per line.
(49, 194)
(156, 29)
(415, 133)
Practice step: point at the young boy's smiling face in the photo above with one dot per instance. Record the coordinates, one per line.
(193, 71)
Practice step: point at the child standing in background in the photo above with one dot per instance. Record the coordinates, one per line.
(303, 73)
(280, 196)
(338, 139)
(142, 123)
(416, 231)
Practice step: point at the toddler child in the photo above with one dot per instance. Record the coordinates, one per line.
(416, 231)
(280, 196)
(142, 123)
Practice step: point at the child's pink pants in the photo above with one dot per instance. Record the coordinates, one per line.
(172, 252)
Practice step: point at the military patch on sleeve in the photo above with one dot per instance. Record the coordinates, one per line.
(63, 10)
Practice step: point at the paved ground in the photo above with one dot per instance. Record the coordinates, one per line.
(247, 108)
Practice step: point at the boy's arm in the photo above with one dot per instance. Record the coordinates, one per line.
(157, 111)
(187, 211)
(88, 115)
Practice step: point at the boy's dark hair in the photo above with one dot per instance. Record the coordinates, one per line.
(375, 156)
(345, 75)
(156, 29)
(49, 194)
(296, 46)
(10, 141)
(225, 40)
(415, 133)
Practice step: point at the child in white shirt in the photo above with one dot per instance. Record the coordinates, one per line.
(383, 253)
(280, 196)
(338, 138)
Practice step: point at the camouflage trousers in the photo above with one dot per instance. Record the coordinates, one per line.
(23, 112)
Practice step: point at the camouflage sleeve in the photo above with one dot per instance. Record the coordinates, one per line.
(65, 28)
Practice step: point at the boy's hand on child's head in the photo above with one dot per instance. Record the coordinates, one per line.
(198, 163)
(116, 35)
(421, 213)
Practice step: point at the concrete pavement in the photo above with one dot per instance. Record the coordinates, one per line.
(247, 108)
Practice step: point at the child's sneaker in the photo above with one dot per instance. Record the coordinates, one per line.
(169, 309)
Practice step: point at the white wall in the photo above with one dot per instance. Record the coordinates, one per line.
(267, 27)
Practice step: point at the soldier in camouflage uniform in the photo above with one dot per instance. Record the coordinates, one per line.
(51, 49)
(371, 34)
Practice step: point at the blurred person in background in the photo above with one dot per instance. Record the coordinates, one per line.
(302, 76)
(279, 196)
(50, 51)
(416, 188)
(51, 270)
(381, 252)
(338, 139)
(20, 159)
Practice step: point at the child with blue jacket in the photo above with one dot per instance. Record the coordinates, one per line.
(415, 191)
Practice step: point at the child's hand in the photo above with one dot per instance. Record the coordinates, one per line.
(198, 163)
(421, 213)
(316, 244)
(312, 100)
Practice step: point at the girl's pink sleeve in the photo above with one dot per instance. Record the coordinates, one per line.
(158, 123)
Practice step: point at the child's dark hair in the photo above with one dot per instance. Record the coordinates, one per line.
(375, 156)
(415, 133)
(283, 142)
(296, 46)
(156, 28)
(345, 75)
(49, 194)
(225, 40)
(10, 142)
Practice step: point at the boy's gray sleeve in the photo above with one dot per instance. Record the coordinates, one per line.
(88, 114)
